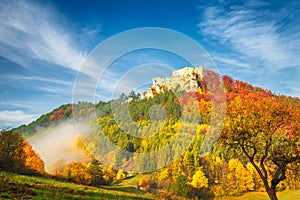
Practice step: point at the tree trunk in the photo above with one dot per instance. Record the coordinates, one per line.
(270, 190)
(272, 194)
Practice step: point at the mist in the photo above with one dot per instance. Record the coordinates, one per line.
(59, 143)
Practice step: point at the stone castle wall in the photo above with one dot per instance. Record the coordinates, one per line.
(186, 79)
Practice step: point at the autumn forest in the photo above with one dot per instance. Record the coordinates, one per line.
(231, 139)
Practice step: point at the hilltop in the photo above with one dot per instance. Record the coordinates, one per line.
(188, 79)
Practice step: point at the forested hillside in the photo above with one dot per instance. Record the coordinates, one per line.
(258, 149)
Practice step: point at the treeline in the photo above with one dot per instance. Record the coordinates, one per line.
(83, 110)
(53, 118)
(87, 172)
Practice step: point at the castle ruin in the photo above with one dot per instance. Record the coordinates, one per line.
(186, 79)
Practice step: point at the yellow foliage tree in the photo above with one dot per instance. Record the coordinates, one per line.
(109, 175)
(164, 174)
(120, 175)
(199, 179)
(77, 171)
(238, 178)
(57, 168)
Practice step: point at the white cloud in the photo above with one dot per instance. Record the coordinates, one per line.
(13, 118)
(253, 33)
(30, 30)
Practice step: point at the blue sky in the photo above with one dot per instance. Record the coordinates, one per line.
(43, 44)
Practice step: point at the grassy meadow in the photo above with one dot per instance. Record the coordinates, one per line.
(13, 186)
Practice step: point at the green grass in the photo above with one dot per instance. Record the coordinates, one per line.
(131, 180)
(128, 185)
(285, 195)
(13, 186)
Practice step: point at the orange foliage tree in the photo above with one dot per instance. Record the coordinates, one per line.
(32, 161)
(266, 131)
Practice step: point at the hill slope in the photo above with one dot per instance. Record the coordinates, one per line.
(13, 186)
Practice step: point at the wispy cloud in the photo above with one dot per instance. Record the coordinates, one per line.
(24, 105)
(30, 30)
(231, 61)
(41, 50)
(16, 117)
(37, 78)
(254, 35)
